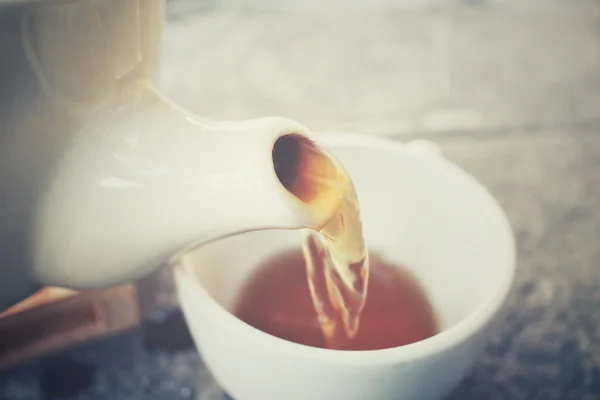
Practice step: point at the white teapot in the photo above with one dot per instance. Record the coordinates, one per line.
(101, 178)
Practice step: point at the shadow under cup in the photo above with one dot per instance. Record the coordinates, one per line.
(419, 211)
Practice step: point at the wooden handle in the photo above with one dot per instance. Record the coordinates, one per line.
(56, 319)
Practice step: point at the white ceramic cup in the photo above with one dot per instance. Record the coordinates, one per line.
(420, 211)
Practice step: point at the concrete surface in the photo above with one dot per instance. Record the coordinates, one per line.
(387, 67)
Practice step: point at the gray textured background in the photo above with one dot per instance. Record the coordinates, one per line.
(387, 67)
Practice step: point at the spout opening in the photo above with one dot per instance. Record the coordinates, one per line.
(306, 171)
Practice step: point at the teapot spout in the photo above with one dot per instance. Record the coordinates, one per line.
(137, 185)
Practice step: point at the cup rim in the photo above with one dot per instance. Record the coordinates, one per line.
(449, 338)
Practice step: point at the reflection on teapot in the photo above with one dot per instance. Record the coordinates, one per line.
(102, 179)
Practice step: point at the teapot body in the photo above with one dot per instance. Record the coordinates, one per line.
(102, 179)
(61, 61)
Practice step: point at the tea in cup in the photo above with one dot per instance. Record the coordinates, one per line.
(419, 212)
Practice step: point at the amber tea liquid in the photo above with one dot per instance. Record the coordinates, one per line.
(276, 299)
(324, 296)
(334, 250)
